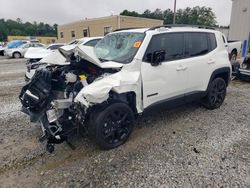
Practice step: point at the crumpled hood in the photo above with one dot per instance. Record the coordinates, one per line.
(37, 53)
(55, 58)
(87, 53)
(62, 56)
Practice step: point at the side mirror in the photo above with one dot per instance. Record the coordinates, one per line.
(156, 57)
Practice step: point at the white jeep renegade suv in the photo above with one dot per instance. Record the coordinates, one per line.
(101, 90)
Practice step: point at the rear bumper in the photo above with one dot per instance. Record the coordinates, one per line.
(244, 72)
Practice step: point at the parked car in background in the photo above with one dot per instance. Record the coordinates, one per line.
(12, 45)
(18, 49)
(233, 47)
(130, 72)
(87, 41)
(38, 53)
(242, 71)
(2, 50)
(35, 55)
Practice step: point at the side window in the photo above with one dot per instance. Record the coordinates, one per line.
(196, 44)
(213, 42)
(171, 43)
(38, 45)
(92, 42)
(26, 45)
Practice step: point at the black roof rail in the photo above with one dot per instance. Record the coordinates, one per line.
(128, 28)
(181, 25)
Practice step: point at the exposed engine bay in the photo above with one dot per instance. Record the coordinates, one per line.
(49, 96)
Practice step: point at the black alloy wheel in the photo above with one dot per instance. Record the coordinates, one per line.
(216, 94)
(113, 125)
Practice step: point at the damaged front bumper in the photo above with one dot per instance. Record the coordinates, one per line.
(61, 121)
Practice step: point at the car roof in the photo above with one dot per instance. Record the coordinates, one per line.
(86, 39)
(160, 29)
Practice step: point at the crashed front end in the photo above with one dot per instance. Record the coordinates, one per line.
(61, 95)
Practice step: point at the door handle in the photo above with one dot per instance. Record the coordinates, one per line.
(211, 61)
(184, 68)
(181, 68)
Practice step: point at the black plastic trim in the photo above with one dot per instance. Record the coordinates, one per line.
(153, 94)
(219, 71)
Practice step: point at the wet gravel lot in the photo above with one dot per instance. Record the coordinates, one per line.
(186, 147)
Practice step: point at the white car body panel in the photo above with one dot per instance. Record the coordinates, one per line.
(37, 53)
(55, 58)
(126, 80)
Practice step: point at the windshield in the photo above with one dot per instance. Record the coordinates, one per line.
(15, 44)
(119, 47)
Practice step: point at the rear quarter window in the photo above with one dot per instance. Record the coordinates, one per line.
(198, 44)
(212, 40)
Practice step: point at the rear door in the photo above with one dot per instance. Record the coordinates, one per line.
(201, 59)
(168, 80)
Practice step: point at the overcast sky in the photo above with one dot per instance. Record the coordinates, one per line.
(64, 11)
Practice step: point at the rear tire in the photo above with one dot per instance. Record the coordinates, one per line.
(112, 126)
(17, 55)
(216, 94)
(233, 55)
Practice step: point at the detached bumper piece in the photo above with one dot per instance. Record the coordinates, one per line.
(244, 74)
(58, 127)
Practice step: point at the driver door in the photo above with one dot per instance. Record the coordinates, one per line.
(166, 81)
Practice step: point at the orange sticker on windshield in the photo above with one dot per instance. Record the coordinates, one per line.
(137, 44)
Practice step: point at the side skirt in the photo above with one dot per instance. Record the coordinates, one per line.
(172, 103)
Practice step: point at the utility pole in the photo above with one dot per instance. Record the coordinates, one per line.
(174, 11)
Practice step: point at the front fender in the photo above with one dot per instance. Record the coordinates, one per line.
(98, 91)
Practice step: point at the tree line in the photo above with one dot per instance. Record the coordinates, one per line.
(17, 27)
(194, 16)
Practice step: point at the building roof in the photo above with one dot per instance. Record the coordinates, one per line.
(107, 17)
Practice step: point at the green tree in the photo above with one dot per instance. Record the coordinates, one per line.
(17, 27)
(195, 16)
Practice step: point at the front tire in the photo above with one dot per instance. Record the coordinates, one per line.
(216, 94)
(17, 55)
(112, 126)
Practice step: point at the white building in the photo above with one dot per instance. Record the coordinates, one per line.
(240, 23)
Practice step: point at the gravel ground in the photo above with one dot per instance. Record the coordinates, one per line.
(186, 147)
